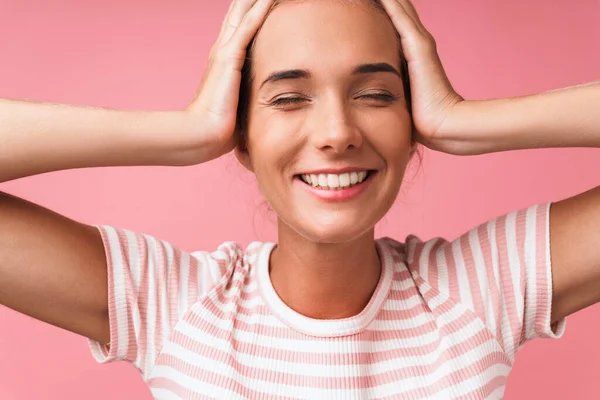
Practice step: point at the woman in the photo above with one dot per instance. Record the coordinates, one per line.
(328, 312)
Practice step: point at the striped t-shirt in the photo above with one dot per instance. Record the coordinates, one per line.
(445, 321)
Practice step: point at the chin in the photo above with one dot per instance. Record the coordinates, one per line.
(332, 230)
(331, 222)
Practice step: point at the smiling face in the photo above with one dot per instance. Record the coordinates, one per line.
(328, 131)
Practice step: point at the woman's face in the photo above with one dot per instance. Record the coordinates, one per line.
(327, 107)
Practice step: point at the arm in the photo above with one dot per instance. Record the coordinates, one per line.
(42, 137)
(561, 118)
(55, 269)
(37, 137)
(567, 117)
(52, 268)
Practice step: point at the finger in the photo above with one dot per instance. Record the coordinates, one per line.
(250, 24)
(238, 13)
(226, 20)
(415, 42)
(404, 23)
(412, 12)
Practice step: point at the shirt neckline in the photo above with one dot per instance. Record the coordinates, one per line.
(325, 327)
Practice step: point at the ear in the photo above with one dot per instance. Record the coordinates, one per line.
(242, 153)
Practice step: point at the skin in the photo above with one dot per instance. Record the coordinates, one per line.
(326, 264)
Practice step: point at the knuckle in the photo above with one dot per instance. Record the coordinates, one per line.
(231, 26)
(429, 44)
(431, 39)
(211, 54)
(228, 54)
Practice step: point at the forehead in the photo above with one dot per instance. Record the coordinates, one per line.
(324, 34)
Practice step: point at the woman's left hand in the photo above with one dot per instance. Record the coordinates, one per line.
(433, 97)
(446, 122)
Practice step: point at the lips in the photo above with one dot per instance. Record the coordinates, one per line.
(336, 194)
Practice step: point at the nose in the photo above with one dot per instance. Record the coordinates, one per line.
(334, 129)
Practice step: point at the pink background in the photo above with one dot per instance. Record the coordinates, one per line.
(136, 54)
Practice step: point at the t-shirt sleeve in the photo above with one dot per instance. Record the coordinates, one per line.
(501, 270)
(151, 284)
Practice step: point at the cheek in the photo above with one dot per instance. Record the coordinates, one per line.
(273, 140)
(390, 134)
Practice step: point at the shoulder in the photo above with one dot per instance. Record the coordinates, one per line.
(232, 259)
(414, 251)
(426, 261)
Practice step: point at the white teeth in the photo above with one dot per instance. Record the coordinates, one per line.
(322, 180)
(314, 180)
(333, 181)
(345, 180)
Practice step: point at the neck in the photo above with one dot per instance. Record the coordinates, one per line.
(324, 281)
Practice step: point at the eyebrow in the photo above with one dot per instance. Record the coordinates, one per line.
(378, 67)
(304, 74)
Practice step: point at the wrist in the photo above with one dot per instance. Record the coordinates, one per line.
(451, 135)
(202, 138)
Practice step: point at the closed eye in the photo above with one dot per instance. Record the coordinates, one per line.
(383, 97)
(284, 101)
(294, 100)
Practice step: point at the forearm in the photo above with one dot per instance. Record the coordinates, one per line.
(562, 118)
(43, 137)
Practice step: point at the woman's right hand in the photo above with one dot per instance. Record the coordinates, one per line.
(214, 111)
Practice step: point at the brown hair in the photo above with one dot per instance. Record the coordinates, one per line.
(247, 73)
